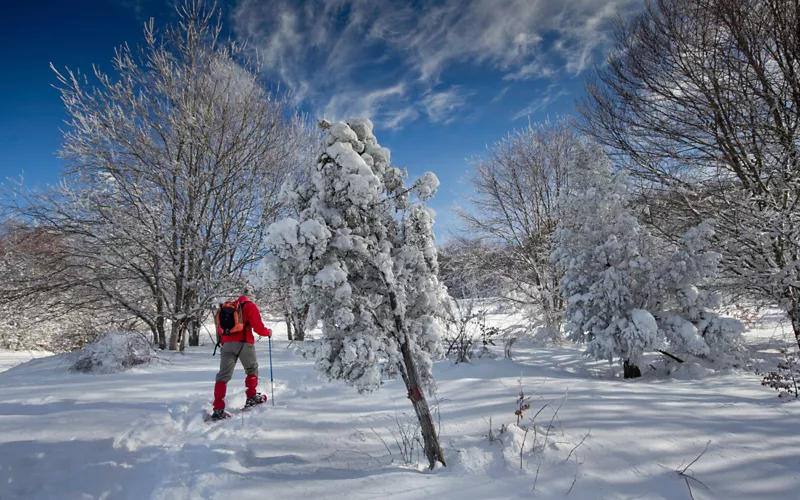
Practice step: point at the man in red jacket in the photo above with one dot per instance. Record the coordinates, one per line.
(240, 346)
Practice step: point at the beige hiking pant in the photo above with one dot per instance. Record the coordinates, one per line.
(229, 353)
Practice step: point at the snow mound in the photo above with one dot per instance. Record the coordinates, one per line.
(690, 370)
(114, 352)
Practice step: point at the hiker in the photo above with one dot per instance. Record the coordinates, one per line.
(236, 322)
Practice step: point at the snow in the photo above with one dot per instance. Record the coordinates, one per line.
(139, 434)
(10, 359)
(114, 352)
(644, 321)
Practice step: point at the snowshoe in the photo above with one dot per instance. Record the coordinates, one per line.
(257, 399)
(218, 415)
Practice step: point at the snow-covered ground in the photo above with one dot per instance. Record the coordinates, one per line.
(140, 434)
(10, 359)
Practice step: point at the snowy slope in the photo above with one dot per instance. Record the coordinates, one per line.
(140, 434)
(10, 359)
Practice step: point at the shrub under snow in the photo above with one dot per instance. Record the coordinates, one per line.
(114, 352)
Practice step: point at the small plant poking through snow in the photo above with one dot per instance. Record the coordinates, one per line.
(114, 352)
(535, 432)
(786, 377)
(523, 404)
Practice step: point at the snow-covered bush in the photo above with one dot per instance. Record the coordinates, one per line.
(627, 292)
(786, 377)
(361, 255)
(114, 352)
(51, 329)
(466, 330)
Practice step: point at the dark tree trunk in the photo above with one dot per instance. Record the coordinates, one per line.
(194, 333)
(431, 447)
(794, 317)
(182, 336)
(408, 370)
(173, 335)
(288, 318)
(630, 370)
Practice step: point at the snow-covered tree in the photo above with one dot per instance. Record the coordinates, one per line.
(513, 211)
(361, 255)
(627, 292)
(701, 100)
(174, 166)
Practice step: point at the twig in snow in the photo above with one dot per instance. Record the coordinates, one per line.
(438, 414)
(367, 454)
(577, 445)
(573, 450)
(683, 471)
(547, 435)
(522, 448)
(686, 473)
(575, 478)
(384, 443)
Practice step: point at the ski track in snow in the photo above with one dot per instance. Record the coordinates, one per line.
(140, 434)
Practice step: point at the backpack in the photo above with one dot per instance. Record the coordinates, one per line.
(229, 318)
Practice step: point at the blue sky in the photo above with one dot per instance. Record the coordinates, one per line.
(441, 79)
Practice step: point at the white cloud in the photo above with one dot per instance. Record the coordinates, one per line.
(441, 107)
(394, 119)
(500, 95)
(352, 102)
(551, 95)
(394, 53)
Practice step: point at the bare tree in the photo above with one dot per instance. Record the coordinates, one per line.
(514, 208)
(174, 167)
(54, 321)
(463, 262)
(701, 99)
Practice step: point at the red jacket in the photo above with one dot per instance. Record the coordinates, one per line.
(252, 323)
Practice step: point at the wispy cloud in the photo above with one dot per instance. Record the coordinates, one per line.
(551, 95)
(500, 95)
(389, 58)
(394, 119)
(441, 107)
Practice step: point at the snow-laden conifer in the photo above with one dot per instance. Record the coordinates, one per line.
(628, 292)
(361, 255)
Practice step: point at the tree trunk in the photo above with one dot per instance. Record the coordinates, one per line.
(793, 313)
(162, 334)
(288, 318)
(630, 370)
(430, 441)
(431, 446)
(194, 333)
(299, 321)
(182, 335)
(174, 335)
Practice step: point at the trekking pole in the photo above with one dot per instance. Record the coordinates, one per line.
(271, 380)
